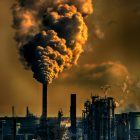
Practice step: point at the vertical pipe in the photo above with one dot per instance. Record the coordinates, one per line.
(27, 111)
(43, 130)
(44, 104)
(73, 115)
(111, 123)
(13, 111)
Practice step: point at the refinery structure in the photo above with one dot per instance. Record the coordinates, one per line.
(98, 122)
(101, 123)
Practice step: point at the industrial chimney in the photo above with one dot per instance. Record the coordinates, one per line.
(13, 111)
(43, 128)
(27, 112)
(44, 103)
(73, 116)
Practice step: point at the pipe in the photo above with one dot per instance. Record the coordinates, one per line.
(44, 104)
(73, 116)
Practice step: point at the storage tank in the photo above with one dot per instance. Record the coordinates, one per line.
(134, 118)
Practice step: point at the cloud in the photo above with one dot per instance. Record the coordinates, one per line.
(121, 29)
(98, 33)
(91, 75)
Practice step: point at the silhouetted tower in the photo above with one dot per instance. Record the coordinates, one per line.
(27, 112)
(111, 118)
(13, 111)
(73, 116)
(42, 131)
(123, 126)
(44, 104)
(60, 115)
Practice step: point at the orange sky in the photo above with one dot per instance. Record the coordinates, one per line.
(113, 37)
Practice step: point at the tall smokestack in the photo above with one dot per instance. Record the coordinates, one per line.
(44, 104)
(43, 128)
(73, 116)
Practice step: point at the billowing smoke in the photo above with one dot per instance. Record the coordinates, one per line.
(131, 90)
(50, 34)
(96, 76)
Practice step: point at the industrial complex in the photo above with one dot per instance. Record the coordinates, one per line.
(98, 122)
(101, 123)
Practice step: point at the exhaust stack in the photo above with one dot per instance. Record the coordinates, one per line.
(44, 104)
(73, 116)
(43, 128)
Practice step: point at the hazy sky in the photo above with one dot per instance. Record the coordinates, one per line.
(112, 54)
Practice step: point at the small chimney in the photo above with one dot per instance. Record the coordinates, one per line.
(13, 111)
(27, 111)
(73, 116)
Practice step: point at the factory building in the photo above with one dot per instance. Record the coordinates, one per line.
(100, 122)
(122, 127)
(26, 128)
(134, 118)
(98, 119)
(19, 128)
(128, 124)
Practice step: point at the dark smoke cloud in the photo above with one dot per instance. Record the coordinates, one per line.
(130, 102)
(47, 62)
(108, 73)
(50, 34)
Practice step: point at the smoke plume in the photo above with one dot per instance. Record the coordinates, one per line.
(50, 34)
(98, 75)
